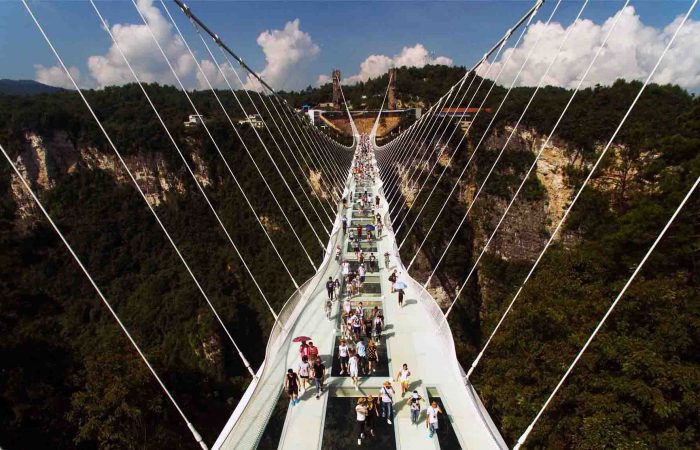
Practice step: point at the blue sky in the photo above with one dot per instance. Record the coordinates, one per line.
(345, 33)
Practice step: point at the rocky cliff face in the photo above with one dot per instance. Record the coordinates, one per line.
(45, 160)
(531, 219)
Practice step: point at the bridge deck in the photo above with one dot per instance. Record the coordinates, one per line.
(411, 338)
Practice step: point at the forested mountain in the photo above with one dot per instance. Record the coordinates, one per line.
(69, 379)
(25, 87)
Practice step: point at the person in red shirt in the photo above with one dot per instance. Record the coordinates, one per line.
(359, 231)
(313, 353)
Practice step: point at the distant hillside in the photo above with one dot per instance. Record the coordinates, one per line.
(26, 87)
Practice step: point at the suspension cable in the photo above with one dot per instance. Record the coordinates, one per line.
(255, 131)
(216, 145)
(495, 162)
(578, 193)
(279, 148)
(479, 109)
(138, 188)
(105, 26)
(632, 277)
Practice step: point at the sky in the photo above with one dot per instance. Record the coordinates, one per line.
(295, 44)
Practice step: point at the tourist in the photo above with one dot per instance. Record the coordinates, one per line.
(354, 365)
(304, 370)
(347, 306)
(336, 287)
(319, 373)
(387, 394)
(313, 353)
(392, 279)
(291, 387)
(337, 253)
(356, 323)
(361, 416)
(431, 418)
(372, 412)
(401, 295)
(303, 350)
(404, 377)
(328, 308)
(343, 356)
(345, 224)
(378, 326)
(330, 288)
(377, 201)
(387, 260)
(372, 357)
(414, 405)
(359, 231)
(372, 262)
(361, 349)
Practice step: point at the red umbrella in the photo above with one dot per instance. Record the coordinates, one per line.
(301, 339)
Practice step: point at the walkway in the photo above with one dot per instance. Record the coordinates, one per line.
(411, 339)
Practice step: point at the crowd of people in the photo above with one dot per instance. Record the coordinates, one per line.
(360, 327)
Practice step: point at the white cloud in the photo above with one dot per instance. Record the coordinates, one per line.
(631, 52)
(213, 74)
(377, 65)
(56, 76)
(143, 54)
(284, 50)
(323, 79)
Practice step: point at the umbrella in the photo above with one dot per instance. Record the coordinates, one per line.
(301, 339)
(400, 285)
(369, 227)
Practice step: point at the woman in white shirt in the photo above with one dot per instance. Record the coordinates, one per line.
(431, 418)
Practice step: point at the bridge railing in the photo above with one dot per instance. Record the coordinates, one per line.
(443, 331)
(264, 392)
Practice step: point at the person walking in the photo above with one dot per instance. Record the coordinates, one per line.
(378, 325)
(361, 349)
(303, 350)
(343, 356)
(431, 418)
(387, 395)
(356, 326)
(401, 295)
(392, 279)
(377, 201)
(403, 376)
(313, 353)
(387, 260)
(328, 309)
(354, 365)
(372, 413)
(358, 230)
(361, 416)
(336, 286)
(337, 253)
(345, 224)
(304, 371)
(330, 288)
(319, 371)
(291, 387)
(372, 357)
(414, 406)
(361, 273)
